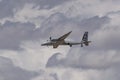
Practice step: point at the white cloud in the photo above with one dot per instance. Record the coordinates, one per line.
(30, 12)
(86, 59)
(75, 74)
(107, 36)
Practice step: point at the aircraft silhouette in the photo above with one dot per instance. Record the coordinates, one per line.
(61, 41)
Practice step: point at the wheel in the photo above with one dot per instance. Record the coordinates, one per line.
(70, 45)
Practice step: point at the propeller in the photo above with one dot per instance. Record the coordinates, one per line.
(50, 38)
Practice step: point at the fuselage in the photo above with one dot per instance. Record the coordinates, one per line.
(53, 41)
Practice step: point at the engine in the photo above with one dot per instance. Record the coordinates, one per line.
(69, 44)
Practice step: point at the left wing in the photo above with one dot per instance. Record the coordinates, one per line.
(47, 44)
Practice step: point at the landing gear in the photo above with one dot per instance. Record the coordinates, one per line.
(81, 45)
(50, 38)
(70, 45)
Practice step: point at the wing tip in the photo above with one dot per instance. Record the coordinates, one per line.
(69, 32)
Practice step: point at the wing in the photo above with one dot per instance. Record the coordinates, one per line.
(61, 40)
(64, 36)
(47, 44)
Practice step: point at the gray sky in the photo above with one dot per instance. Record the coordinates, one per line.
(25, 25)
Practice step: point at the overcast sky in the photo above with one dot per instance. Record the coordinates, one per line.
(26, 24)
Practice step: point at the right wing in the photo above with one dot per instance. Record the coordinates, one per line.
(64, 36)
(61, 40)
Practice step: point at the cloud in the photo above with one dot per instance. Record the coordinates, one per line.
(12, 5)
(58, 20)
(86, 59)
(88, 65)
(10, 72)
(33, 57)
(11, 34)
(7, 7)
(27, 11)
(48, 4)
(25, 24)
(107, 38)
(73, 74)
(46, 76)
(79, 9)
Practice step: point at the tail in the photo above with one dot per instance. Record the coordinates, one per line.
(85, 40)
(85, 36)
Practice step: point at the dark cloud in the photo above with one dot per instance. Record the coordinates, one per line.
(7, 7)
(48, 3)
(10, 72)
